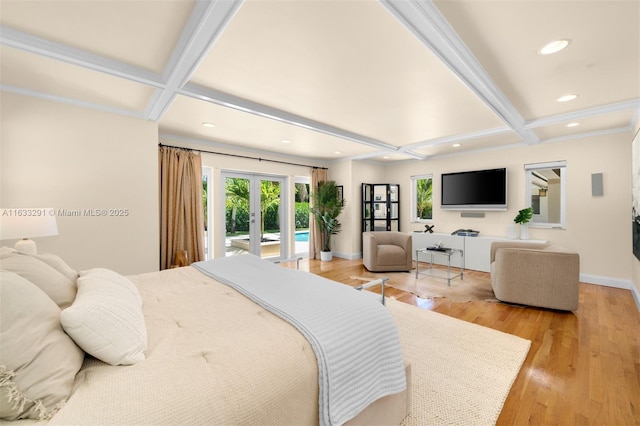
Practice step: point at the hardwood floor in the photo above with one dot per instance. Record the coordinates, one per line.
(582, 368)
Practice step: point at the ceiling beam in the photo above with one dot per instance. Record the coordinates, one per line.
(230, 101)
(426, 22)
(69, 101)
(207, 21)
(410, 156)
(458, 138)
(584, 135)
(51, 49)
(633, 104)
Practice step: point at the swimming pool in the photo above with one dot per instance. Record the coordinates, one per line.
(302, 235)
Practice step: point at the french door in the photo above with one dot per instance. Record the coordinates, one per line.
(254, 215)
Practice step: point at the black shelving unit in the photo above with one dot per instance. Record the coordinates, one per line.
(380, 207)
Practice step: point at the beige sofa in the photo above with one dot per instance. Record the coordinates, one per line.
(386, 251)
(535, 274)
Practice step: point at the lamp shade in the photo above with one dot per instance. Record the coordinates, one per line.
(27, 223)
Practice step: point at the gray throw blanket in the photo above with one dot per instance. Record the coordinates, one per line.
(354, 338)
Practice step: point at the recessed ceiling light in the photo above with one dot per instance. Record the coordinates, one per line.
(573, 124)
(456, 145)
(337, 152)
(567, 98)
(285, 141)
(385, 157)
(208, 124)
(553, 47)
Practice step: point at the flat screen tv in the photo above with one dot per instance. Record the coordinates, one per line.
(474, 190)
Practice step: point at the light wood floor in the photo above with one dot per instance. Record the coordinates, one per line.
(582, 368)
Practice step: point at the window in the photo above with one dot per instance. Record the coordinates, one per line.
(546, 193)
(422, 198)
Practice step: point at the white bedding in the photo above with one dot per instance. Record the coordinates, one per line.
(354, 338)
(198, 369)
(214, 357)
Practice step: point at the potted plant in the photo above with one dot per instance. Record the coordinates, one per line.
(522, 218)
(326, 208)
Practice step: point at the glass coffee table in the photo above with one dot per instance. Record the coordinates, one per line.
(446, 252)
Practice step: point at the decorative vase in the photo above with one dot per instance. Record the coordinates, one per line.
(524, 231)
(326, 256)
(512, 232)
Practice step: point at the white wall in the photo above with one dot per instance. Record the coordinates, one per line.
(341, 244)
(597, 227)
(352, 174)
(65, 157)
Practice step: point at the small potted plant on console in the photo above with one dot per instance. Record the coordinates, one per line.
(522, 218)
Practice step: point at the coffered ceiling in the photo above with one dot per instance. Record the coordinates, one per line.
(383, 80)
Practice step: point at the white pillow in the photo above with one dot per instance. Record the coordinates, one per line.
(38, 361)
(7, 251)
(60, 288)
(50, 259)
(106, 318)
(58, 264)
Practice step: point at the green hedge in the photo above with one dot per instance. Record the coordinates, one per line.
(271, 218)
(302, 215)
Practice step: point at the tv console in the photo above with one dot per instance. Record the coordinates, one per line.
(477, 250)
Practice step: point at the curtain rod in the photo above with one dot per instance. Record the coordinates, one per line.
(243, 156)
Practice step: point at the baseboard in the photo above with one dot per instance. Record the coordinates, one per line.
(606, 281)
(636, 295)
(347, 256)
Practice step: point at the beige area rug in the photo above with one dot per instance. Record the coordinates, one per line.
(461, 372)
(429, 287)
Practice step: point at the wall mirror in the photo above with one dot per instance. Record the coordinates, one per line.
(546, 193)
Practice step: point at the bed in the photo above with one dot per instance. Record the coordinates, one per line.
(196, 351)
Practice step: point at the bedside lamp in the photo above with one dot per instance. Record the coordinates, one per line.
(33, 223)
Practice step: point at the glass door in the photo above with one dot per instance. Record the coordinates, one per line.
(254, 211)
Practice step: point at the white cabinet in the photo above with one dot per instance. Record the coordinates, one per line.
(477, 250)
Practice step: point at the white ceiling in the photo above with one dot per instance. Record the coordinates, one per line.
(337, 78)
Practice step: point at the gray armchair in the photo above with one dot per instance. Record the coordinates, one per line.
(535, 274)
(386, 251)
